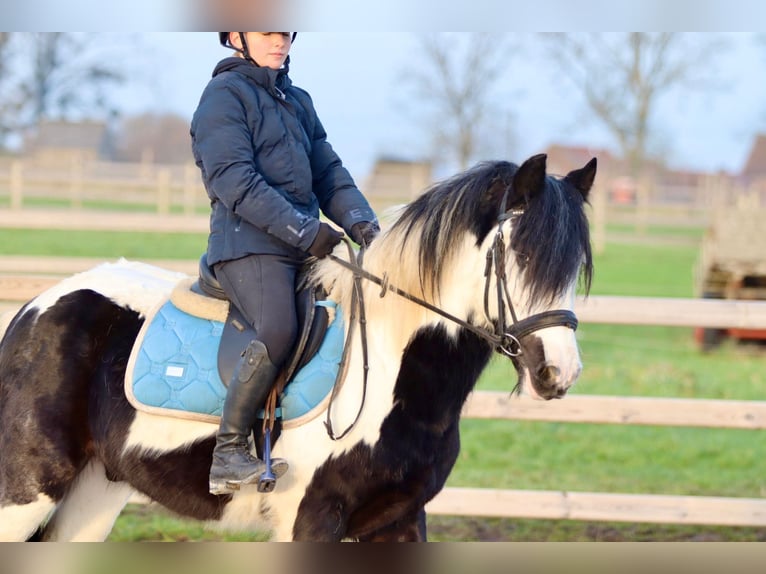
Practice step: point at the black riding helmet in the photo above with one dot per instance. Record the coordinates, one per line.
(223, 38)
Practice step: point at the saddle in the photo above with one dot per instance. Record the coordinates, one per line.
(237, 333)
(189, 346)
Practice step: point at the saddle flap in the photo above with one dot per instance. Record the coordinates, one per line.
(237, 334)
(312, 325)
(312, 321)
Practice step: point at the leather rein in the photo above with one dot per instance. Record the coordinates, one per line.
(505, 338)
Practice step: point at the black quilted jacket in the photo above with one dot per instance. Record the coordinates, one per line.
(267, 166)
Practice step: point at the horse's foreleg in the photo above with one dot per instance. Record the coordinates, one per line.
(321, 520)
(88, 511)
(408, 529)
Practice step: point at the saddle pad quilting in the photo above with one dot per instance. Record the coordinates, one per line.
(177, 365)
(175, 368)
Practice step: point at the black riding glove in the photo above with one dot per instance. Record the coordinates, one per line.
(327, 238)
(364, 232)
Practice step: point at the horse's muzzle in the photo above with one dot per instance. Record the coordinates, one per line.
(549, 382)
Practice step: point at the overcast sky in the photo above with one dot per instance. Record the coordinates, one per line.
(356, 81)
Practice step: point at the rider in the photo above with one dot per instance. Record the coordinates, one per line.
(268, 170)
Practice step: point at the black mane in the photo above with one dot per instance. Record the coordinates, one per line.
(551, 239)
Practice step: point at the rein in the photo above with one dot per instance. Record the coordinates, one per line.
(357, 302)
(505, 339)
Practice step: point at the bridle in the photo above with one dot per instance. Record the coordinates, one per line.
(505, 338)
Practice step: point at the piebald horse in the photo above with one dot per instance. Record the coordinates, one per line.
(491, 258)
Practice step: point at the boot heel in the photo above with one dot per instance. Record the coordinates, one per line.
(218, 488)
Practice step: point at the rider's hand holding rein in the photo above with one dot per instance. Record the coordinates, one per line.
(326, 240)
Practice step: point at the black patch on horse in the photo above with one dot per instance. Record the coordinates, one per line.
(63, 351)
(418, 446)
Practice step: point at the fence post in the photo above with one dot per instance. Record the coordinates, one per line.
(17, 185)
(642, 209)
(76, 181)
(163, 191)
(599, 194)
(190, 178)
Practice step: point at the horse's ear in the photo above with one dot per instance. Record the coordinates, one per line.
(530, 176)
(583, 178)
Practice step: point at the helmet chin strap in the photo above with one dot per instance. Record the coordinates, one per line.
(246, 50)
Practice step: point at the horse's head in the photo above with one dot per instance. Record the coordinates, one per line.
(503, 247)
(548, 251)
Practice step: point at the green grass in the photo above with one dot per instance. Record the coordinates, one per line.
(139, 523)
(645, 271)
(112, 244)
(98, 205)
(670, 231)
(619, 360)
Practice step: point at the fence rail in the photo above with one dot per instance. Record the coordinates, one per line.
(23, 277)
(158, 187)
(599, 506)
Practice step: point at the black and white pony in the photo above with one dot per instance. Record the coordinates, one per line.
(73, 450)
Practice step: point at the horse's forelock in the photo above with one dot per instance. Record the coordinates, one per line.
(552, 241)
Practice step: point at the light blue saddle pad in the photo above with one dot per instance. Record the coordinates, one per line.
(176, 367)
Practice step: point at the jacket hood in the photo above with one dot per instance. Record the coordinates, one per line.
(266, 77)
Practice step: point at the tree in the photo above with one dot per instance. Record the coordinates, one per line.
(622, 76)
(54, 75)
(456, 84)
(8, 104)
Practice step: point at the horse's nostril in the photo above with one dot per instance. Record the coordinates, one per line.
(548, 373)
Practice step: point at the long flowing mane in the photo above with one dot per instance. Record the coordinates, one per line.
(551, 239)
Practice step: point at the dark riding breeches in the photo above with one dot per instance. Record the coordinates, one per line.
(263, 289)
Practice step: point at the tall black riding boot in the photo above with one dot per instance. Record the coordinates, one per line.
(233, 463)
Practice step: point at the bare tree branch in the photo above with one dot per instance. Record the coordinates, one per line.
(54, 75)
(456, 84)
(623, 76)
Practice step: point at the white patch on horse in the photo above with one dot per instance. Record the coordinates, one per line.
(18, 522)
(89, 509)
(560, 345)
(151, 432)
(130, 284)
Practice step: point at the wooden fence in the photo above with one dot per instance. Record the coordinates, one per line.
(159, 188)
(153, 188)
(22, 277)
(168, 189)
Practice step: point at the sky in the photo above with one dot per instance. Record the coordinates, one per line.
(356, 82)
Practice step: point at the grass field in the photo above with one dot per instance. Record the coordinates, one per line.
(619, 360)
